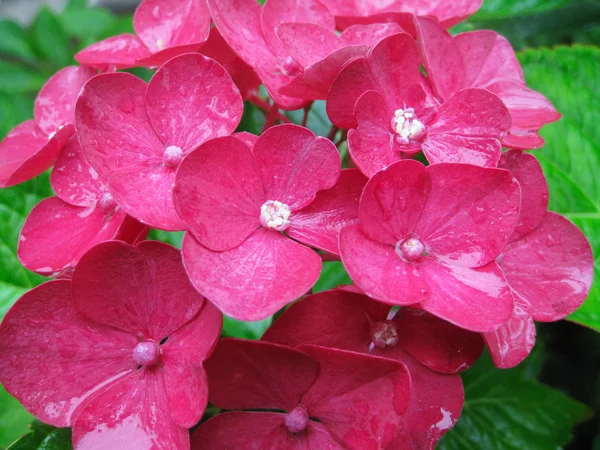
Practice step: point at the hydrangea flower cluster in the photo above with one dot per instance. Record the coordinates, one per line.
(445, 235)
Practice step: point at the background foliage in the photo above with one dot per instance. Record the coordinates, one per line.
(550, 401)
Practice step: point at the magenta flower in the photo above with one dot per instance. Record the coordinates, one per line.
(135, 135)
(128, 335)
(318, 398)
(422, 342)
(250, 31)
(33, 146)
(548, 264)
(321, 53)
(60, 230)
(237, 202)
(484, 59)
(448, 13)
(384, 100)
(429, 237)
(164, 28)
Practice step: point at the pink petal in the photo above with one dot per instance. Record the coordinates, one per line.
(443, 59)
(130, 288)
(551, 268)
(43, 334)
(522, 139)
(254, 374)
(56, 234)
(218, 193)
(73, 179)
(276, 12)
(510, 344)
(468, 129)
(120, 51)
(369, 34)
(359, 399)
(436, 343)
(111, 108)
(436, 401)
(187, 391)
(158, 59)
(162, 24)
(244, 430)
(307, 43)
(131, 413)
(473, 299)
(393, 201)
(372, 145)
(469, 214)
(319, 224)
(534, 190)
(452, 13)
(378, 271)
(403, 19)
(197, 97)
(132, 231)
(55, 104)
(294, 164)
(264, 283)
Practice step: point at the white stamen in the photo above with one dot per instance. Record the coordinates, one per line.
(274, 214)
(407, 126)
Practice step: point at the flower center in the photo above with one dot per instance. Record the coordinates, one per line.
(108, 203)
(297, 420)
(384, 334)
(411, 249)
(274, 214)
(172, 156)
(146, 353)
(407, 126)
(289, 67)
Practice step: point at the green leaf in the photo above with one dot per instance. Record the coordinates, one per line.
(245, 330)
(86, 23)
(14, 41)
(173, 238)
(14, 420)
(50, 40)
(318, 121)
(57, 440)
(508, 410)
(503, 9)
(15, 204)
(569, 76)
(253, 119)
(18, 78)
(14, 109)
(332, 275)
(43, 437)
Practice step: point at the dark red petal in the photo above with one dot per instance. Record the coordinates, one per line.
(120, 52)
(56, 234)
(55, 104)
(264, 283)
(73, 179)
(308, 43)
(470, 213)
(192, 99)
(130, 288)
(319, 224)
(379, 271)
(254, 374)
(294, 164)
(393, 201)
(551, 268)
(161, 24)
(359, 399)
(474, 299)
(510, 344)
(187, 391)
(131, 413)
(218, 193)
(534, 190)
(44, 334)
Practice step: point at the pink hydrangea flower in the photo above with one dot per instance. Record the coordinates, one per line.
(129, 333)
(548, 264)
(319, 398)
(250, 31)
(429, 237)
(33, 146)
(383, 99)
(237, 202)
(484, 59)
(135, 135)
(448, 13)
(164, 28)
(321, 53)
(59, 230)
(422, 342)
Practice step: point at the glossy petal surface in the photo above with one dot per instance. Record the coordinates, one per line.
(122, 52)
(130, 288)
